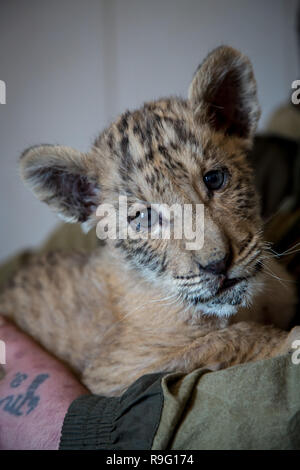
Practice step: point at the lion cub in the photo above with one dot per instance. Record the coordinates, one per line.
(146, 304)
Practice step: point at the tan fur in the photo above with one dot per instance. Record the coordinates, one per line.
(136, 307)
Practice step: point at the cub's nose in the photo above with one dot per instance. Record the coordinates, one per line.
(219, 266)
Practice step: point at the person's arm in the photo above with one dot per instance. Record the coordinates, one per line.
(36, 391)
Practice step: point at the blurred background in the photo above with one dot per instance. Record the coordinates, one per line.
(71, 66)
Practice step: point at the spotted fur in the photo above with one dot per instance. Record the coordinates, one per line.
(139, 306)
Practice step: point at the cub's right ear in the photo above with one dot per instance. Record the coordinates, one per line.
(67, 180)
(223, 93)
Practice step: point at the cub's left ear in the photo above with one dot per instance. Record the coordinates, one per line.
(65, 179)
(223, 93)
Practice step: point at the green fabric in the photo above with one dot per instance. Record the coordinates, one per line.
(250, 406)
(247, 407)
(119, 423)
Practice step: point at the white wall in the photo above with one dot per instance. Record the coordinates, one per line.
(71, 65)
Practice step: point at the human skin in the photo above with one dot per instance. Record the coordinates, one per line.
(35, 393)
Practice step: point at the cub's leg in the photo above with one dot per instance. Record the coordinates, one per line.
(239, 343)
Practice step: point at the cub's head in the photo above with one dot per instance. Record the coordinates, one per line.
(189, 153)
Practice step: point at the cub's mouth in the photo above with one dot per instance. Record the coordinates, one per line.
(229, 283)
(215, 290)
(222, 290)
(220, 295)
(229, 291)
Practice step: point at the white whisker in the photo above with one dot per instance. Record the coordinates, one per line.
(268, 271)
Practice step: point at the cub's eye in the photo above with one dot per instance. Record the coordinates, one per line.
(144, 219)
(215, 179)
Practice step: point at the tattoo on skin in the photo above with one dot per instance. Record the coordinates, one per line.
(18, 379)
(24, 403)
